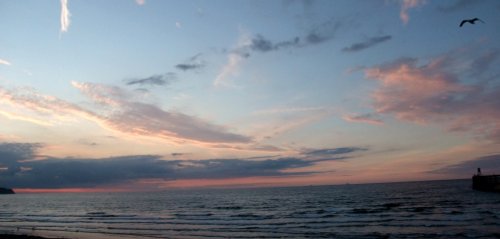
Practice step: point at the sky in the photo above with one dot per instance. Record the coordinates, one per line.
(142, 95)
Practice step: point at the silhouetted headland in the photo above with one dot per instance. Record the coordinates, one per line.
(489, 183)
(6, 191)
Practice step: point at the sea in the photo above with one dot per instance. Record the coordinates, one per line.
(432, 209)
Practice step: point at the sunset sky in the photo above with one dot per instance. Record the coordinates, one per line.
(150, 95)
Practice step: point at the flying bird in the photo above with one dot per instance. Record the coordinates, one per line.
(471, 21)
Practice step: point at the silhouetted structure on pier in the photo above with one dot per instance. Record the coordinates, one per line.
(490, 183)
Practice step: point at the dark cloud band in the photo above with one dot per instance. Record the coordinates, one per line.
(18, 171)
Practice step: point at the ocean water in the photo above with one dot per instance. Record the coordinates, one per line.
(435, 209)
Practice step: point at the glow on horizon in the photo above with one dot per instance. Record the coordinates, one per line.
(247, 93)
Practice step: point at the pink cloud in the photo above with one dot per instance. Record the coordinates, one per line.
(118, 111)
(406, 5)
(31, 106)
(124, 114)
(435, 93)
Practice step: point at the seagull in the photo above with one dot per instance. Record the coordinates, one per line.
(471, 21)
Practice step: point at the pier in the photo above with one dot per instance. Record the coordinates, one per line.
(489, 183)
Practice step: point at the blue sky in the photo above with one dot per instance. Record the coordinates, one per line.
(190, 83)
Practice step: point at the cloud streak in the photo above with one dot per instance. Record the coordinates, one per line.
(65, 15)
(153, 80)
(4, 62)
(192, 63)
(327, 154)
(363, 118)
(316, 35)
(373, 41)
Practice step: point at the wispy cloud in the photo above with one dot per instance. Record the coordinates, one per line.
(134, 117)
(65, 14)
(118, 111)
(31, 106)
(229, 70)
(434, 92)
(325, 154)
(23, 172)
(140, 2)
(363, 118)
(154, 80)
(248, 44)
(261, 44)
(316, 35)
(193, 63)
(406, 5)
(288, 123)
(4, 62)
(370, 42)
(290, 110)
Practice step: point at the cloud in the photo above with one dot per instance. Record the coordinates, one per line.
(406, 5)
(65, 14)
(285, 110)
(193, 63)
(118, 111)
(231, 68)
(31, 106)
(246, 44)
(186, 66)
(363, 118)
(261, 44)
(323, 32)
(140, 2)
(154, 80)
(145, 119)
(489, 164)
(331, 153)
(22, 172)
(367, 44)
(4, 62)
(434, 92)
(11, 155)
(316, 35)
(103, 94)
(149, 120)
